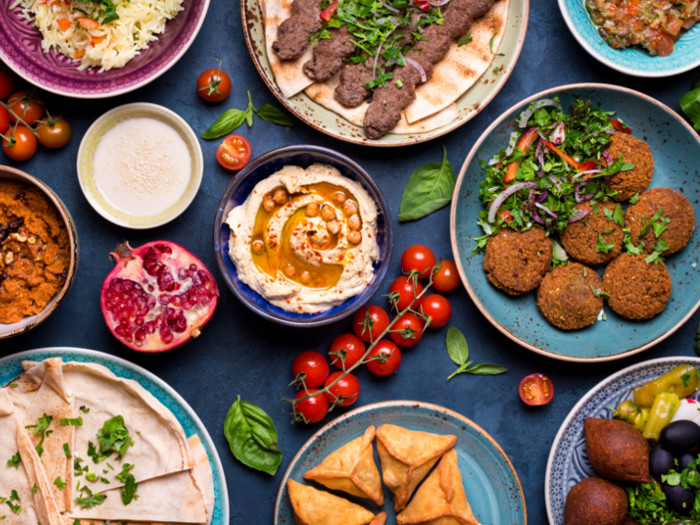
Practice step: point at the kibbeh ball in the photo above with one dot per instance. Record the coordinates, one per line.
(596, 238)
(637, 290)
(634, 151)
(516, 262)
(569, 297)
(596, 501)
(674, 223)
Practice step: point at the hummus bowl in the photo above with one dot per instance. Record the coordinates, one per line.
(317, 280)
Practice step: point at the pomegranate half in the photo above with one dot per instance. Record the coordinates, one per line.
(158, 296)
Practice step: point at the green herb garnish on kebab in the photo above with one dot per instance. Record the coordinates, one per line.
(552, 162)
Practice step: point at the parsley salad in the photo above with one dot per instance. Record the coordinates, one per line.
(552, 162)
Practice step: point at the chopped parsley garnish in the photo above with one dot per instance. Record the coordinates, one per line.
(16, 508)
(34, 488)
(59, 483)
(602, 246)
(90, 499)
(113, 437)
(84, 409)
(467, 40)
(128, 491)
(76, 421)
(104, 11)
(41, 428)
(14, 460)
(597, 292)
(66, 450)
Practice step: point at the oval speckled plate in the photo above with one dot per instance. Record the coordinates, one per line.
(330, 123)
(631, 61)
(11, 367)
(568, 463)
(675, 147)
(490, 481)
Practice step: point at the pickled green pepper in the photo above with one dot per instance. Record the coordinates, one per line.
(682, 381)
(662, 410)
(631, 412)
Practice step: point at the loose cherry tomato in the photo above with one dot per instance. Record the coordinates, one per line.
(7, 84)
(346, 390)
(19, 143)
(369, 322)
(54, 132)
(313, 409)
(403, 291)
(214, 84)
(346, 350)
(4, 119)
(437, 308)
(419, 259)
(446, 278)
(384, 358)
(407, 330)
(536, 389)
(234, 152)
(311, 368)
(26, 106)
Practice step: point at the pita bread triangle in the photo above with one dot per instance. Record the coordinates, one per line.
(352, 469)
(318, 507)
(440, 499)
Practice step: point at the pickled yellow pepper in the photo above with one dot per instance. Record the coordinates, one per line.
(660, 414)
(631, 412)
(682, 381)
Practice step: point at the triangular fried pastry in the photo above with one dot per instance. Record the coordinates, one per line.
(352, 469)
(407, 456)
(317, 507)
(379, 519)
(441, 499)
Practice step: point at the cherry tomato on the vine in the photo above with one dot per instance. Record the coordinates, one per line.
(407, 330)
(369, 322)
(54, 132)
(313, 409)
(26, 106)
(345, 391)
(403, 291)
(346, 350)
(437, 307)
(7, 84)
(4, 119)
(419, 259)
(311, 368)
(446, 278)
(536, 389)
(384, 358)
(234, 152)
(19, 143)
(214, 85)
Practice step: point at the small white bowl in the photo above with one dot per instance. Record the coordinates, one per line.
(150, 217)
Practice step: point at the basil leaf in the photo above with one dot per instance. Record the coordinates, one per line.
(487, 369)
(429, 189)
(275, 115)
(226, 123)
(457, 347)
(252, 437)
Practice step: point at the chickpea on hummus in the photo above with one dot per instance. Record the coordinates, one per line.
(305, 239)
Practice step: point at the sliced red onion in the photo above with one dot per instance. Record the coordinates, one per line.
(421, 71)
(594, 171)
(493, 161)
(559, 252)
(607, 157)
(390, 8)
(526, 114)
(510, 190)
(578, 216)
(586, 196)
(438, 3)
(559, 134)
(546, 210)
(540, 174)
(555, 181)
(511, 143)
(539, 153)
(536, 217)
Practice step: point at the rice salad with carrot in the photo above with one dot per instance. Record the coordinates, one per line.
(104, 34)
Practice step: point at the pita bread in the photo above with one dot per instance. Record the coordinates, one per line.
(317, 507)
(351, 469)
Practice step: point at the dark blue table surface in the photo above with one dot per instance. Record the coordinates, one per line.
(240, 354)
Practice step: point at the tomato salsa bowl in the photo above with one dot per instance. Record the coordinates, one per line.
(302, 158)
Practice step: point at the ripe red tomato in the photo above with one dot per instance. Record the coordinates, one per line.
(437, 308)
(4, 119)
(311, 368)
(234, 152)
(345, 392)
(19, 143)
(536, 389)
(214, 85)
(403, 292)
(346, 350)
(369, 322)
(419, 259)
(407, 330)
(384, 358)
(54, 132)
(446, 278)
(313, 409)
(26, 106)
(7, 84)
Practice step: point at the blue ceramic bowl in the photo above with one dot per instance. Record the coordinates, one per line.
(237, 192)
(676, 148)
(631, 61)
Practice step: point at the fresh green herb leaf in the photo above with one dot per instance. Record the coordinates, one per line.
(14, 461)
(76, 421)
(467, 40)
(128, 491)
(690, 105)
(225, 124)
(275, 115)
(112, 437)
(90, 500)
(458, 350)
(41, 428)
(59, 483)
(428, 189)
(601, 245)
(66, 450)
(84, 409)
(34, 488)
(597, 292)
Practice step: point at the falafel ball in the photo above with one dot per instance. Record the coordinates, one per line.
(637, 290)
(595, 239)
(568, 298)
(515, 261)
(674, 224)
(634, 151)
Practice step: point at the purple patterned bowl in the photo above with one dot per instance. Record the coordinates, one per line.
(20, 49)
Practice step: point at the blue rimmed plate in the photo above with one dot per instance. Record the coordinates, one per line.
(11, 367)
(490, 481)
(631, 61)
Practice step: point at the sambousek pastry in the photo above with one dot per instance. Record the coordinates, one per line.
(407, 456)
(318, 507)
(352, 469)
(441, 498)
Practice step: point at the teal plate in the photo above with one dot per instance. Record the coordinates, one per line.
(632, 61)
(490, 481)
(676, 148)
(11, 367)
